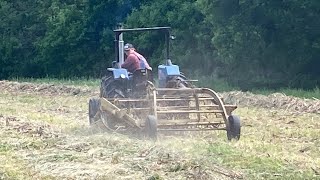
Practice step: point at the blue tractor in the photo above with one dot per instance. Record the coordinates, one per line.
(133, 100)
(118, 82)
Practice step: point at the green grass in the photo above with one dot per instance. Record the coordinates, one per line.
(4, 147)
(216, 84)
(256, 166)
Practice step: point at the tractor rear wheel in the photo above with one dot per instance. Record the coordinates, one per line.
(178, 82)
(234, 130)
(151, 127)
(109, 88)
(94, 105)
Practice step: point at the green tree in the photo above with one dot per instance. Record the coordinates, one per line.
(190, 49)
(273, 40)
(19, 30)
(249, 43)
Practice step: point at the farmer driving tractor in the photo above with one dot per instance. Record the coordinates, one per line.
(133, 101)
(134, 60)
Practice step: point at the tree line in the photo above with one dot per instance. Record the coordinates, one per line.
(247, 43)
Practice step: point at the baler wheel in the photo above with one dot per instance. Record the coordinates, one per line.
(234, 130)
(151, 127)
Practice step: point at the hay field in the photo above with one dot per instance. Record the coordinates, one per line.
(44, 134)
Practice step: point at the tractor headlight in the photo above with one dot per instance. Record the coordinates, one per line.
(122, 76)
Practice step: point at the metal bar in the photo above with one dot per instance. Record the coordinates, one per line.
(158, 99)
(226, 106)
(116, 49)
(142, 29)
(191, 80)
(178, 99)
(167, 108)
(117, 112)
(160, 108)
(155, 103)
(219, 101)
(182, 99)
(174, 112)
(141, 109)
(200, 106)
(197, 105)
(229, 108)
(197, 129)
(185, 122)
(127, 100)
(121, 50)
(184, 108)
(177, 107)
(176, 89)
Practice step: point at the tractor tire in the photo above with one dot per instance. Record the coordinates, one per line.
(234, 130)
(178, 82)
(94, 106)
(181, 84)
(109, 88)
(151, 126)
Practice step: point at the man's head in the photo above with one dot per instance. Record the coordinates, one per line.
(128, 47)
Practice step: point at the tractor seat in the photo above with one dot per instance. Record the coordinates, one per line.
(141, 75)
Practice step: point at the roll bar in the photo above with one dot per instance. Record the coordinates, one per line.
(118, 33)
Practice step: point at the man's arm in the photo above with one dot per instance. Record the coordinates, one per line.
(130, 61)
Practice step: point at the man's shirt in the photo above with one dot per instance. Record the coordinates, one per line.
(134, 62)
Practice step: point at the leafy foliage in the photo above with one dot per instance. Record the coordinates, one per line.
(248, 43)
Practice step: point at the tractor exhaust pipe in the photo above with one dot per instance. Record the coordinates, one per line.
(119, 45)
(121, 50)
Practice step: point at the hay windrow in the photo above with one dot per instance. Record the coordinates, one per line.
(44, 88)
(275, 101)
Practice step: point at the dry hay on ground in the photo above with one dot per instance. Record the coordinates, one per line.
(28, 128)
(45, 149)
(45, 152)
(44, 88)
(275, 100)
